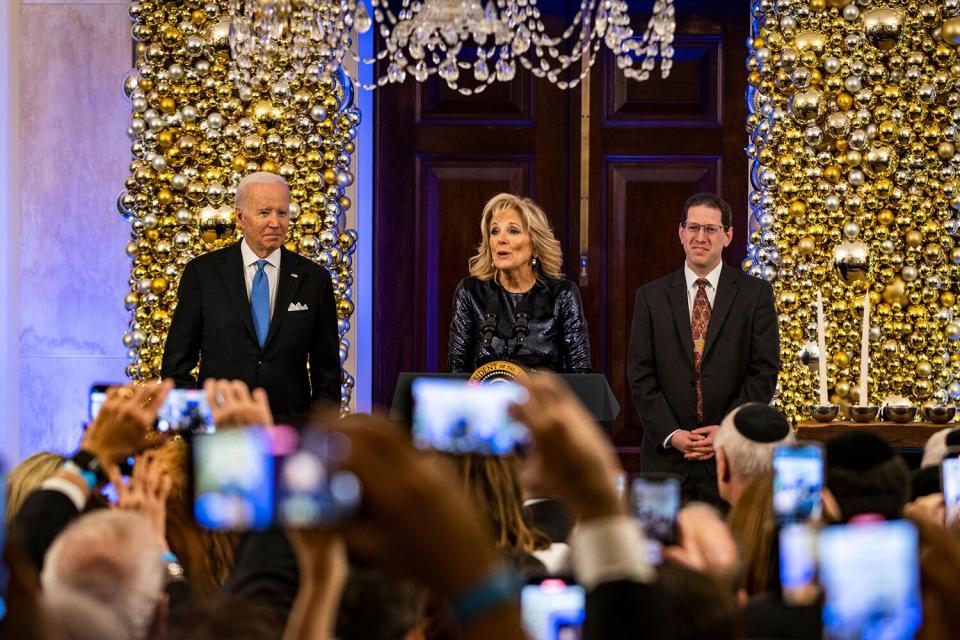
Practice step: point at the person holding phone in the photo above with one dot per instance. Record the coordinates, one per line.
(704, 341)
(258, 312)
(744, 446)
(516, 305)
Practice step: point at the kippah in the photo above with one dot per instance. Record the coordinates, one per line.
(761, 422)
(953, 438)
(857, 451)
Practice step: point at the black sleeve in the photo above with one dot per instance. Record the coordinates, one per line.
(463, 333)
(625, 610)
(655, 413)
(42, 517)
(265, 571)
(760, 381)
(182, 349)
(576, 337)
(325, 372)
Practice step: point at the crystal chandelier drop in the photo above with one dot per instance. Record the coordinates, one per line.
(468, 44)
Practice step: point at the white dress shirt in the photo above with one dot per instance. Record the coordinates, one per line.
(713, 278)
(271, 269)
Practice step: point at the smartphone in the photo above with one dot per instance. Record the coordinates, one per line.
(457, 416)
(950, 483)
(798, 565)
(655, 502)
(553, 610)
(98, 394)
(312, 490)
(871, 580)
(797, 483)
(185, 411)
(256, 478)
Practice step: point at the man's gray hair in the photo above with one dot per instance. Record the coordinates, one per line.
(257, 178)
(113, 558)
(77, 616)
(747, 458)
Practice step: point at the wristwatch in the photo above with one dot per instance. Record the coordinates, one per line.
(88, 463)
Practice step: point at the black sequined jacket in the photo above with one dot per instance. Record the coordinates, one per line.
(557, 337)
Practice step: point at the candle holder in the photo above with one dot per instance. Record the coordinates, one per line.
(863, 414)
(939, 413)
(824, 412)
(900, 413)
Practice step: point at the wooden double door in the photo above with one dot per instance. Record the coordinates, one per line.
(440, 156)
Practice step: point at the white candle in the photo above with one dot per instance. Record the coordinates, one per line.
(865, 351)
(822, 345)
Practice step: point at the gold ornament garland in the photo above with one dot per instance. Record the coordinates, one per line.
(854, 109)
(195, 133)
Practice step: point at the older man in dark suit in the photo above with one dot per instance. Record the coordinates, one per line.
(704, 341)
(257, 312)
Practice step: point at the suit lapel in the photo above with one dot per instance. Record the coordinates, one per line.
(231, 270)
(287, 287)
(726, 292)
(677, 293)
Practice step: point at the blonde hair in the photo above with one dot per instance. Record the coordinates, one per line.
(494, 486)
(546, 248)
(206, 556)
(26, 477)
(752, 526)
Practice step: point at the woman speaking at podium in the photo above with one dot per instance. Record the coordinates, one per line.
(516, 305)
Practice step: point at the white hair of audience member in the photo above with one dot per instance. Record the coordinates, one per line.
(257, 178)
(935, 448)
(114, 558)
(77, 616)
(746, 458)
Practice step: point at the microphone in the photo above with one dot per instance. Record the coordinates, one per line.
(489, 328)
(521, 326)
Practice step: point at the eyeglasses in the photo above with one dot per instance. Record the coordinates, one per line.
(709, 229)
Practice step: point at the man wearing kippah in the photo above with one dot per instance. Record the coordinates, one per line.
(704, 341)
(744, 446)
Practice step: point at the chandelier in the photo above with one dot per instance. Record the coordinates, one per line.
(466, 43)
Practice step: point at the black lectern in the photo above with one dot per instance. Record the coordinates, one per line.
(592, 389)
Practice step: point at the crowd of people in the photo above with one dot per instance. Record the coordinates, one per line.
(441, 543)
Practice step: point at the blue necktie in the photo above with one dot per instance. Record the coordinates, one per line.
(260, 302)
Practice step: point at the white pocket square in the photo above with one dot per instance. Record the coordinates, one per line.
(297, 306)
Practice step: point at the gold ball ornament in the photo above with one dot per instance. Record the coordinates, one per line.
(851, 261)
(807, 106)
(879, 161)
(883, 27)
(950, 31)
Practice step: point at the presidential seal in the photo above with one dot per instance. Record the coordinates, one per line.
(499, 371)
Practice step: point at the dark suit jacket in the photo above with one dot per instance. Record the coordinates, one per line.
(213, 323)
(740, 363)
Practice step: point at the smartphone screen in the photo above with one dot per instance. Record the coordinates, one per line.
(798, 565)
(233, 479)
(654, 502)
(185, 411)
(313, 491)
(797, 483)
(552, 610)
(871, 580)
(98, 394)
(459, 417)
(950, 484)
(254, 478)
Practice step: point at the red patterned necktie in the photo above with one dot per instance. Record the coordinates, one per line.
(698, 331)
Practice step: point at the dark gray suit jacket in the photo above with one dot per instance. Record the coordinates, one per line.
(213, 323)
(741, 358)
